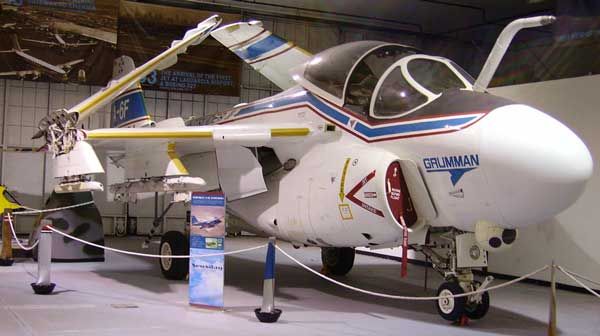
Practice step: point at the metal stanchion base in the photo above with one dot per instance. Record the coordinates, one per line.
(43, 289)
(267, 317)
(6, 262)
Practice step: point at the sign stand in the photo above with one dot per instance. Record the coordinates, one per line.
(43, 286)
(6, 255)
(267, 313)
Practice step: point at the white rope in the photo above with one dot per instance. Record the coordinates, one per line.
(568, 273)
(153, 255)
(14, 234)
(32, 210)
(581, 277)
(413, 298)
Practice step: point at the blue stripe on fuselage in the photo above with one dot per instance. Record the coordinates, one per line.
(260, 48)
(361, 127)
(418, 126)
(294, 99)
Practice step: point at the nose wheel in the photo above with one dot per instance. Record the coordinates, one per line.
(451, 308)
(455, 309)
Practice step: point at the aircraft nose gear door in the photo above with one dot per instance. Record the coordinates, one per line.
(401, 207)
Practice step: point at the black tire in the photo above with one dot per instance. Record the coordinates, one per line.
(451, 309)
(476, 311)
(174, 243)
(337, 260)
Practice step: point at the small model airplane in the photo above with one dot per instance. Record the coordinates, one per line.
(60, 42)
(371, 144)
(206, 224)
(58, 71)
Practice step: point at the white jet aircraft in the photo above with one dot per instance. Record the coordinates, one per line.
(58, 71)
(60, 42)
(372, 144)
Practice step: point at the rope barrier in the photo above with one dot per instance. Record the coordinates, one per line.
(33, 211)
(413, 298)
(29, 210)
(153, 255)
(14, 234)
(581, 276)
(568, 273)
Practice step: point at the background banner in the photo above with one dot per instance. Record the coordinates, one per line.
(61, 41)
(209, 68)
(207, 235)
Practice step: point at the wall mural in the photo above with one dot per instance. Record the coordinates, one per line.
(60, 41)
(146, 29)
(75, 41)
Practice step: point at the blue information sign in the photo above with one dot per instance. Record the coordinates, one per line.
(207, 236)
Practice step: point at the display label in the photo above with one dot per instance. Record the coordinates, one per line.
(207, 236)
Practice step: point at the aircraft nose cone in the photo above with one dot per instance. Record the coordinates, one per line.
(536, 167)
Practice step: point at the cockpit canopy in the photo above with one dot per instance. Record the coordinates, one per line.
(378, 79)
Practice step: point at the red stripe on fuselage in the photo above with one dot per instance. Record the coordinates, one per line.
(358, 135)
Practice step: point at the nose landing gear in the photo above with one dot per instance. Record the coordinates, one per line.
(454, 309)
(454, 254)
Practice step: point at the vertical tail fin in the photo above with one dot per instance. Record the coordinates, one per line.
(267, 53)
(129, 108)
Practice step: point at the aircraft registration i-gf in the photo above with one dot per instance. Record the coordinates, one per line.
(370, 144)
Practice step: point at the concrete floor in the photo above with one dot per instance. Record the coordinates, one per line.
(127, 296)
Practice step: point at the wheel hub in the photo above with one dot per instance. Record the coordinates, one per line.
(446, 303)
(165, 250)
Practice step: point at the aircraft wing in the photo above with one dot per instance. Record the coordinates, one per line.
(40, 62)
(21, 73)
(265, 52)
(55, 126)
(195, 139)
(50, 43)
(162, 61)
(211, 153)
(70, 64)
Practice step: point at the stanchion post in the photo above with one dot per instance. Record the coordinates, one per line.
(43, 286)
(267, 313)
(6, 255)
(552, 318)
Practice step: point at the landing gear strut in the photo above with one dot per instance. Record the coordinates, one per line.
(444, 251)
(337, 260)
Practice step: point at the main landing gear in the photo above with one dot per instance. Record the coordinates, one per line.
(454, 254)
(174, 243)
(337, 260)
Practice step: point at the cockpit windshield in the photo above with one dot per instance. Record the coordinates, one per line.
(366, 74)
(329, 69)
(434, 75)
(413, 82)
(380, 80)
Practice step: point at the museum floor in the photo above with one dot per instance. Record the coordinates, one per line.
(127, 296)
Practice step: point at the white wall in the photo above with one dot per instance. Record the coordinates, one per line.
(572, 238)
